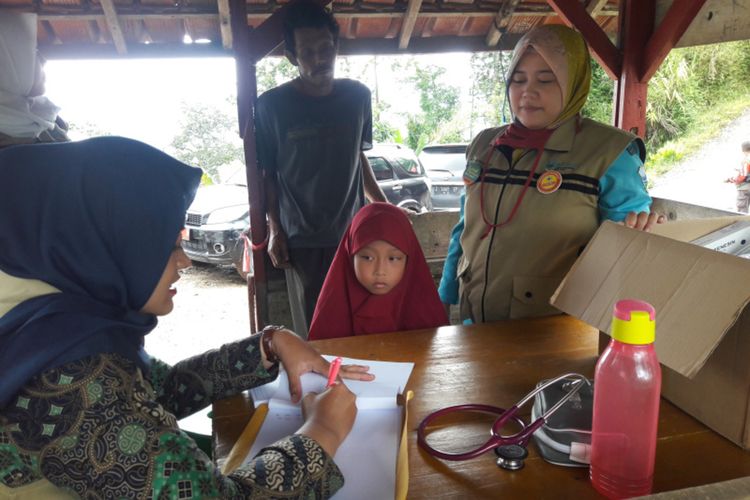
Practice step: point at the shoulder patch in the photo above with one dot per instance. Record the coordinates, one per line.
(472, 172)
(642, 173)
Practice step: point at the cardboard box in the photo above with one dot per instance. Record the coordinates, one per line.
(700, 296)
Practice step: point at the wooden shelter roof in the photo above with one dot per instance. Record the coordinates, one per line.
(173, 28)
(143, 28)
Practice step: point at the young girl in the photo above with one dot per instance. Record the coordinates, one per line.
(379, 281)
(536, 190)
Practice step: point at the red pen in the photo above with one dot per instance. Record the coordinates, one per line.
(333, 371)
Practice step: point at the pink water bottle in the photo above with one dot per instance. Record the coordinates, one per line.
(627, 383)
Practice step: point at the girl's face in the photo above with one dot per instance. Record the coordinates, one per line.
(379, 267)
(535, 94)
(160, 303)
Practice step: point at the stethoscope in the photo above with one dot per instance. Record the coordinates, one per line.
(510, 449)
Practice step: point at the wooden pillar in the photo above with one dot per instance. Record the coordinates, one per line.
(249, 47)
(257, 282)
(631, 94)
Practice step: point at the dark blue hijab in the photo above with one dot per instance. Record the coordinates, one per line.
(96, 219)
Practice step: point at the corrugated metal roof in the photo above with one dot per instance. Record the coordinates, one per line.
(122, 28)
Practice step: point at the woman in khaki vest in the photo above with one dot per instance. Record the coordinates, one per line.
(537, 190)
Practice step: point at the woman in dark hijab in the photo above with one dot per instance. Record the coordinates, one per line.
(90, 243)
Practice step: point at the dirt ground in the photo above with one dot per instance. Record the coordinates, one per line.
(210, 310)
(699, 179)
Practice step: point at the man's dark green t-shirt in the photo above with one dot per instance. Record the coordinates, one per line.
(312, 145)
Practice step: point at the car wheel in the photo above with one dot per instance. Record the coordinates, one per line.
(412, 207)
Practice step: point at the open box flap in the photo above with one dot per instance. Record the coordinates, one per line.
(698, 293)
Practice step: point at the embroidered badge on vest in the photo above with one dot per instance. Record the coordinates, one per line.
(472, 172)
(549, 181)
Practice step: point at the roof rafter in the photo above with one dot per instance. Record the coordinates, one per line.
(501, 22)
(224, 26)
(110, 17)
(667, 34)
(407, 25)
(595, 7)
(604, 51)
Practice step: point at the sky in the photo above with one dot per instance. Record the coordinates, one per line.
(142, 98)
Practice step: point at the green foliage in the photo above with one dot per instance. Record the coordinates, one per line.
(705, 127)
(273, 71)
(489, 107)
(664, 158)
(438, 102)
(208, 139)
(382, 131)
(599, 103)
(690, 83)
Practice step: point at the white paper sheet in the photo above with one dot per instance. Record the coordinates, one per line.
(367, 457)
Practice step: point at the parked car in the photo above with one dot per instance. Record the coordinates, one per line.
(219, 214)
(401, 176)
(214, 224)
(445, 164)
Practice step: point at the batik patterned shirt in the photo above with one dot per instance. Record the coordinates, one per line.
(97, 428)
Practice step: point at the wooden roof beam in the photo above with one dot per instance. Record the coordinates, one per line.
(672, 27)
(604, 51)
(110, 17)
(224, 24)
(269, 34)
(595, 7)
(129, 13)
(50, 31)
(141, 33)
(501, 22)
(407, 25)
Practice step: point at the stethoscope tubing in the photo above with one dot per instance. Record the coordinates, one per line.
(505, 416)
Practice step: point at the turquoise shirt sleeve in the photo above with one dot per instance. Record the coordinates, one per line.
(448, 289)
(622, 188)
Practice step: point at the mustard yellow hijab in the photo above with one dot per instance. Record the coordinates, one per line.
(566, 53)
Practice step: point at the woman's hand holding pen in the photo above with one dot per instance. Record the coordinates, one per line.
(299, 357)
(329, 416)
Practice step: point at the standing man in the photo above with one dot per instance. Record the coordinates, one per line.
(311, 134)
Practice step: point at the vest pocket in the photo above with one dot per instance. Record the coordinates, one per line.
(531, 296)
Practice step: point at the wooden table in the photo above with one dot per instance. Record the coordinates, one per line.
(497, 364)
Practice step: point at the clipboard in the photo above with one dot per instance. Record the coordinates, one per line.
(239, 451)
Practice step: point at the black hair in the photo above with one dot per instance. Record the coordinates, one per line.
(746, 146)
(307, 14)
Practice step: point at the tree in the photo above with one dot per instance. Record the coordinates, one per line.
(273, 71)
(599, 103)
(208, 139)
(438, 102)
(488, 102)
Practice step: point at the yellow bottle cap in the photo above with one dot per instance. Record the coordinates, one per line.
(633, 322)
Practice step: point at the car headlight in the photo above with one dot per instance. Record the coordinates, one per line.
(227, 214)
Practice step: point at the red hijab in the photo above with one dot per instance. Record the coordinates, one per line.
(346, 308)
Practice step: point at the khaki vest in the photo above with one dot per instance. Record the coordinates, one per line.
(513, 271)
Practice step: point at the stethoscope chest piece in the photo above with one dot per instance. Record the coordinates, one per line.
(511, 456)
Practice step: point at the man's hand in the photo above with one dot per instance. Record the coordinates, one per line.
(643, 221)
(278, 250)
